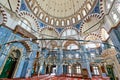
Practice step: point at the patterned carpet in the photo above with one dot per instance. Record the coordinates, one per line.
(52, 77)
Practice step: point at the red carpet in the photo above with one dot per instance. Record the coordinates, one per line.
(51, 77)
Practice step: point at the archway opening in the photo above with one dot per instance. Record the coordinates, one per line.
(11, 64)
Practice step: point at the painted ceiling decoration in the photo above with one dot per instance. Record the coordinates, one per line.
(49, 32)
(60, 13)
(91, 23)
(32, 20)
(3, 15)
(55, 21)
(109, 52)
(95, 41)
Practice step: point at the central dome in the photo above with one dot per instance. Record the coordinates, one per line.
(60, 13)
(60, 8)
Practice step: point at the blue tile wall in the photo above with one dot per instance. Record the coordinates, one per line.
(115, 37)
(7, 35)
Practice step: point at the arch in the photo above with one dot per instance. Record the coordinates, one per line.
(117, 6)
(11, 63)
(93, 38)
(48, 31)
(27, 46)
(42, 44)
(18, 6)
(41, 15)
(77, 68)
(62, 22)
(84, 12)
(68, 21)
(47, 19)
(79, 17)
(68, 43)
(88, 22)
(104, 34)
(57, 22)
(73, 32)
(73, 20)
(3, 15)
(52, 21)
(31, 18)
(102, 11)
(88, 6)
(52, 45)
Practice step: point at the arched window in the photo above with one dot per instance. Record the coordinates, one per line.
(78, 69)
(84, 12)
(72, 46)
(104, 34)
(57, 23)
(108, 4)
(25, 24)
(46, 19)
(36, 9)
(63, 23)
(88, 6)
(11, 64)
(52, 21)
(68, 22)
(73, 20)
(78, 17)
(96, 70)
(77, 55)
(115, 17)
(69, 69)
(41, 16)
(117, 6)
(69, 32)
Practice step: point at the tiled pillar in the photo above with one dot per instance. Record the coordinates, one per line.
(86, 63)
(115, 39)
(60, 65)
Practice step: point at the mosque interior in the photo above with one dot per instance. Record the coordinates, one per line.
(60, 39)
